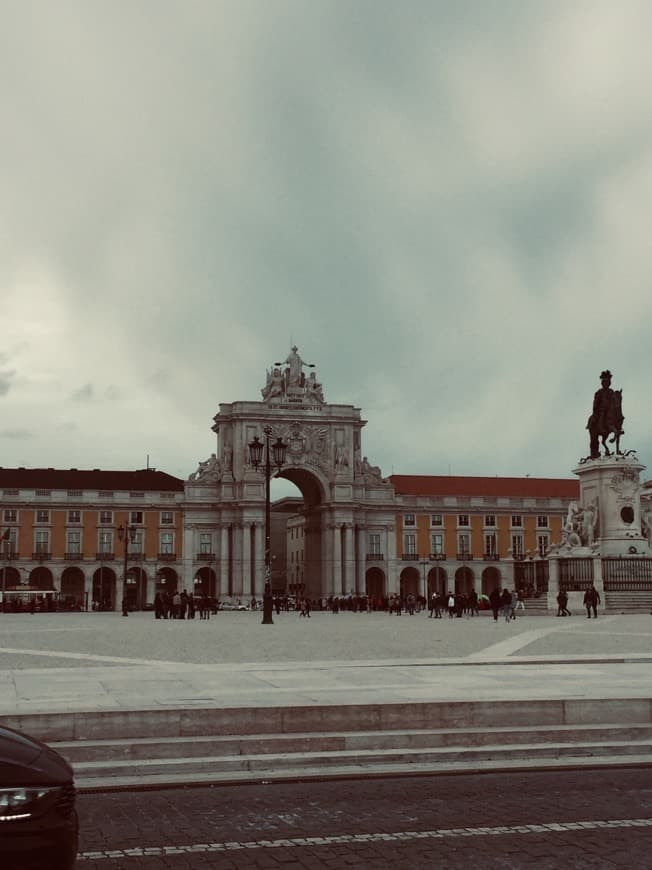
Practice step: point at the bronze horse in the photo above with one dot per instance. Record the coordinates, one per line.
(609, 422)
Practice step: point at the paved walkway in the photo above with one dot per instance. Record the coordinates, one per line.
(93, 661)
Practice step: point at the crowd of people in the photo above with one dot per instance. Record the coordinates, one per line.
(454, 605)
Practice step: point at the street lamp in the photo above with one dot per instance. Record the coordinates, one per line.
(129, 536)
(274, 455)
(6, 541)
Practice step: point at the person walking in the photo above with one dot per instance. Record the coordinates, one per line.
(520, 604)
(513, 605)
(506, 603)
(494, 600)
(562, 604)
(591, 601)
(451, 605)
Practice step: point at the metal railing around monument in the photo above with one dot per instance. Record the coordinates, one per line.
(575, 575)
(531, 576)
(626, 575)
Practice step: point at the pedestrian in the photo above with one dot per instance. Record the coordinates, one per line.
(521, 600)
(562, 604)
(513, 605)
(125, 607)
(494, 600)
(410, 604)
(591, 601)
(473, 603)
(431, 605)
(451, 605)
(176, 605)
(506, 603)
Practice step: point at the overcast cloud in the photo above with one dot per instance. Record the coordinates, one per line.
(445, 205)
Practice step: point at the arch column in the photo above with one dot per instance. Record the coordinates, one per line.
(237, 539)
(361, 563)
(393, 578)
(222, 583)
(336, 550)
(258, 533)
(348, 562)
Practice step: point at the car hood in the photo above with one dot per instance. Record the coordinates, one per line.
(26, 761)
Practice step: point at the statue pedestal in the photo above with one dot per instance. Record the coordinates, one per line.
(612, 482)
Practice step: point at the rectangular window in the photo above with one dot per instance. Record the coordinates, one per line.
(166, 543)
(74, 516)
(374, 544)
(436, 544)
(106, 517)
(42, 541)
(42, 516)
(517, 546)
(490, 520)
(490, 545)
(464, 544)
(436, 520)
(10, 515)
(74, 493)
(167, 518)
(205, 542)
(463, 520)
(542, 542)
(408, 520)
(542, 522)
(136, 546)
(73, 544)
(9, 546)
(410, 545)
(517, 521)
(106, 541)
(136, 517)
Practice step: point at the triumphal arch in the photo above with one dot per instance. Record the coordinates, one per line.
(349, 508)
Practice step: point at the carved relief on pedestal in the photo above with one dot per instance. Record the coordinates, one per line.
(625, 484)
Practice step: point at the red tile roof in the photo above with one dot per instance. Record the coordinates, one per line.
(120, 481)
(493, 487)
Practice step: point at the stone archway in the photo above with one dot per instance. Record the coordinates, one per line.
(345, 498)
(491, 580)
(104, 586)
(437, 581)
(167, 580)
(135, 589)
(464, 580)
(9, 577)
(41, 578)
(204, 582)
(375, 587)
(73, 587)
(410, 582)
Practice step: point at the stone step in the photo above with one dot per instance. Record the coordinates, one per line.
(172, 723)
(80, 751)
(513, 763)
(105, 774)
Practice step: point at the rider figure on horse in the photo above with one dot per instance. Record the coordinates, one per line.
(607, 417)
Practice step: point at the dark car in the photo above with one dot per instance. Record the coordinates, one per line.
(38, 821)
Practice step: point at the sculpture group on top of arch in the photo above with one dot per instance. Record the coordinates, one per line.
(290, 384)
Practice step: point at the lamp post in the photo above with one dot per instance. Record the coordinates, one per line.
(425, 563)
(129, 535)
(274, 460)
(6, 542)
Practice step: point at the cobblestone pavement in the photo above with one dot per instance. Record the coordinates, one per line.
(593, 819)
(90, 639)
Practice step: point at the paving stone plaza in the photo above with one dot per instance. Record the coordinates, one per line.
(102, 661)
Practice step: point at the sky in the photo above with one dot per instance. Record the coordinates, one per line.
(444, 205)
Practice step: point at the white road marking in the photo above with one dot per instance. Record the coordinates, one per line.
(343, 839)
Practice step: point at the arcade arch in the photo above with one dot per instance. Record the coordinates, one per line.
(41, 578)
(464, 580)
(375, 586)
(135, 588)
(72, 584)
(491, 579)
(410, 582)
(104, 586)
